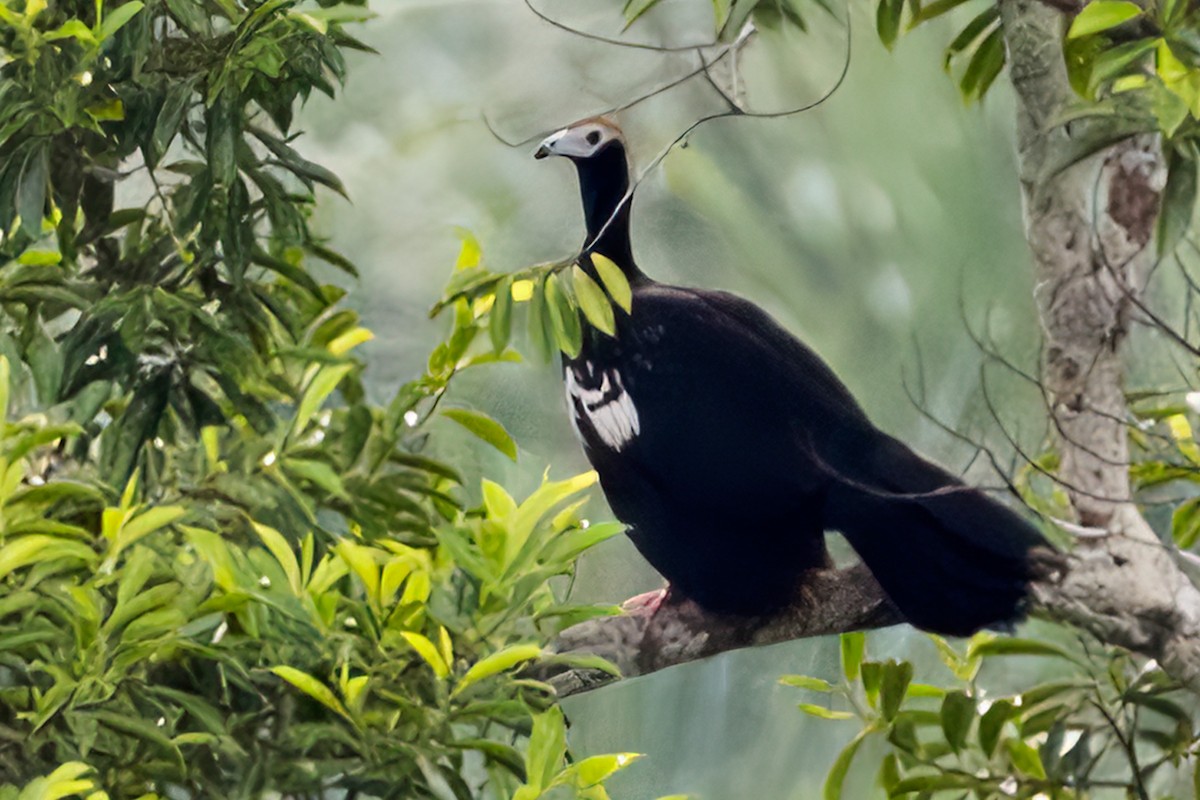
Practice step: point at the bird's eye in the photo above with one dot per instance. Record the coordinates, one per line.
(593, 137)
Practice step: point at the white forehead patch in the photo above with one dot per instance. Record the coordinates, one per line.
(580, 141)
(607, 407)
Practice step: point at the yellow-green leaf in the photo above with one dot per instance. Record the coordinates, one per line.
(428, 651)
(279, 547)
(311, 687)
(593, 301)
(805, 682)
(498, 662)
(823, 712)
(614, 281)
(1101, 15)
(486, 428)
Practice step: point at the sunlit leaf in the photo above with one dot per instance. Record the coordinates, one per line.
(1100, 15)
(486, 428)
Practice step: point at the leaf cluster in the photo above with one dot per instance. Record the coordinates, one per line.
(224, 570)
(1102, 721)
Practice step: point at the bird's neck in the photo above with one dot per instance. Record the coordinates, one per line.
(604, 183)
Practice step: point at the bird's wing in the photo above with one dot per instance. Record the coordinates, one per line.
(731, 408)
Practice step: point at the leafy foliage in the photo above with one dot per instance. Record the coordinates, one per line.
(1098, 717)
(224, 571)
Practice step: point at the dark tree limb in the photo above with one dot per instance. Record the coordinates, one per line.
(654, 634)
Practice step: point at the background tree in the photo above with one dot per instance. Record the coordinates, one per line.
(225, 572)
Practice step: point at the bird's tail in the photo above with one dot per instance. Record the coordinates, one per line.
(952, 559)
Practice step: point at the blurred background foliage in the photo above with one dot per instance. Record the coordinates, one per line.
(236, 559)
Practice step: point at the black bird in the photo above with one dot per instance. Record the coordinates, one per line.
(729, 448)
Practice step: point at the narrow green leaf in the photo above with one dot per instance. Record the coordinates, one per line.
(312, 687)
(853, 647)
(498, 662)
(635, 9)
(564, 320)
(982, 21)
(935, 9)
(1178, 205)
(547, 746)
(279, 547)
(887, 21)
(958, 713)
(1025, 758)
(932, 783)
(805, 682)
(117, 18)
(1012, 646)
(428, 651)
(822, 712)
(991, 724)
(500, 320)
(985, 64)
(540, 333)
(894, 687)
(317, 392)
(1100, 15)
(614, 281)
(486, 428)
(31, 192)
(593, 301)
(841, 767)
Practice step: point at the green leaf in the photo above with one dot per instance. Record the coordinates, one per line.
(1012, 646)
(958, 712)
(500, 320)
(24, 551)
(486, 428)
(428, 651)
(595, 770)
(312, 687)
(614, 281)
(317, 392)
(31, 192)
(984, 20)
(564, 320)
(985, 64)
(1175, 219)
(1100, 15)
(547, 746)
(935, 9)
(116, 19)
(540, 333)
(841, 767)
(887, 21)
(593, 301)
(853, 647)
(822, 712)
(636, 8)
(1025, 758)
(498, 662)
(805, 682)
(894, 688)
(934, 783)
(279, 547)
(991, 724)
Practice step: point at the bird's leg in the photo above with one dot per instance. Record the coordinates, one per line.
(649, 603)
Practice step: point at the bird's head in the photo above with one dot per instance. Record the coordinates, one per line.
(583, 140)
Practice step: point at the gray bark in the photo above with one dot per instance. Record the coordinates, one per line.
(1092, 198)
